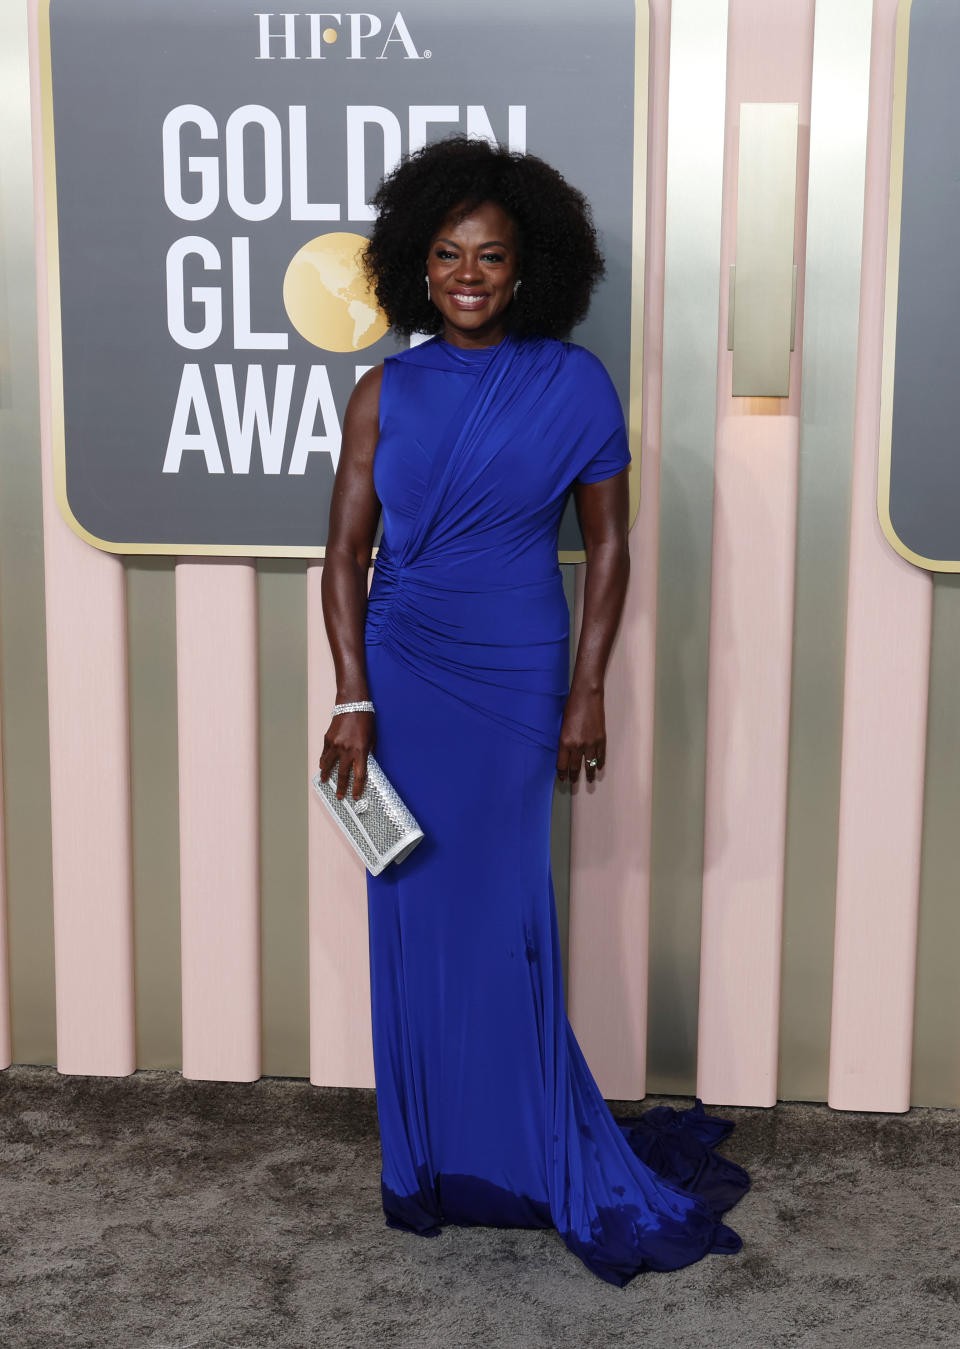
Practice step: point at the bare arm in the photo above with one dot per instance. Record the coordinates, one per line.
(354, 514)
(603, 509)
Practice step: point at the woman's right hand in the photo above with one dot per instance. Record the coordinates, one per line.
(349, 739)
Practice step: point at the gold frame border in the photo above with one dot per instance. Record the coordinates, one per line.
(55, 369)
(891, 295)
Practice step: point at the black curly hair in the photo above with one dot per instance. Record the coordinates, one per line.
(560, 262)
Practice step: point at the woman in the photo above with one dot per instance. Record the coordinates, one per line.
(471, 442)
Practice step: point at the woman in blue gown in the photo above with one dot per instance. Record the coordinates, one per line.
(469, 444)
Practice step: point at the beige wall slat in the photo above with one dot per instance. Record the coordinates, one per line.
(23, 661)
(840, 89)
(695, 148)
(152, 666)
(284, 797)
(936, 1042)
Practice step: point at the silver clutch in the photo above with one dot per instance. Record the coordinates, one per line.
(378, 825)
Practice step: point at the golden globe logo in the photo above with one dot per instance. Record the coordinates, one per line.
(303, 37)
(328, 298)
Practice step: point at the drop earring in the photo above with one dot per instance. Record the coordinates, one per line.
(516, 287)
(427, 279)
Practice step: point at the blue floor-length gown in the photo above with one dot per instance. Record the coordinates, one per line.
(488, 1111)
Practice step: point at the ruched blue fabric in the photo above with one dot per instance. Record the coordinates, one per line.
(488, 1112)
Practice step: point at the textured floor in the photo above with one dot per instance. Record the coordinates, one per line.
(148, 1212)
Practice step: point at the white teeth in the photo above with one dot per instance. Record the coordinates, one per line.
(470, 299)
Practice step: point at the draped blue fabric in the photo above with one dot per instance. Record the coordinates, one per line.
(488, 1111)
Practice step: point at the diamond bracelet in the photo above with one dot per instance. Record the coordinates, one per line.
(363, 706)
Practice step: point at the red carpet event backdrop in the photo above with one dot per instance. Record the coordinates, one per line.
(757, 901)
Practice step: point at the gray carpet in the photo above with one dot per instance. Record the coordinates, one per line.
(148, 1212)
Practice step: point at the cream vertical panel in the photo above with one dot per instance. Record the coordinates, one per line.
(89, 740)
(217, 709)
(341, 1044)
(695, 145)
(610, 824)
(831, 314)
(284, 803)
(6, 1039)
(27, 1000)
(10, 50)
(885, 693)
(152, 665)
(763, 297)
(751, 611)
(936, 1044)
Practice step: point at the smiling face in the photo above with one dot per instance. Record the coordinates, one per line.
(473, 264)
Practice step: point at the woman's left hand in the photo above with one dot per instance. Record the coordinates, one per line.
(582, 735)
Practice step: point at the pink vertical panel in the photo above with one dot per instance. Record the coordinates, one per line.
(219, 818)
(751, 634)
(884, 710)
(341, 1047)
(770, 54)
(610, 827)
(89, 743)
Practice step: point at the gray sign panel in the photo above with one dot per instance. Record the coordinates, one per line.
(922, 515)
(213, 168)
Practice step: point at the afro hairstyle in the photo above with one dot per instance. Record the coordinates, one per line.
(560, 261)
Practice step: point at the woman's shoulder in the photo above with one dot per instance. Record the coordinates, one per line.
(369, 382)
(364, 402)
(424, 352)
(583, 361)
(571, 355)
(596, 390)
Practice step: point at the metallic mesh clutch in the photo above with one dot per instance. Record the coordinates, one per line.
(378, 825)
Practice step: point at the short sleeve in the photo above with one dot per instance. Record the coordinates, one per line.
(612, 457)
(604, 448)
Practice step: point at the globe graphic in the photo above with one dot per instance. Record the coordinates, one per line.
(327, 297)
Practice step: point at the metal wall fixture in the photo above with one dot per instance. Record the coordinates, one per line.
(763, 283)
